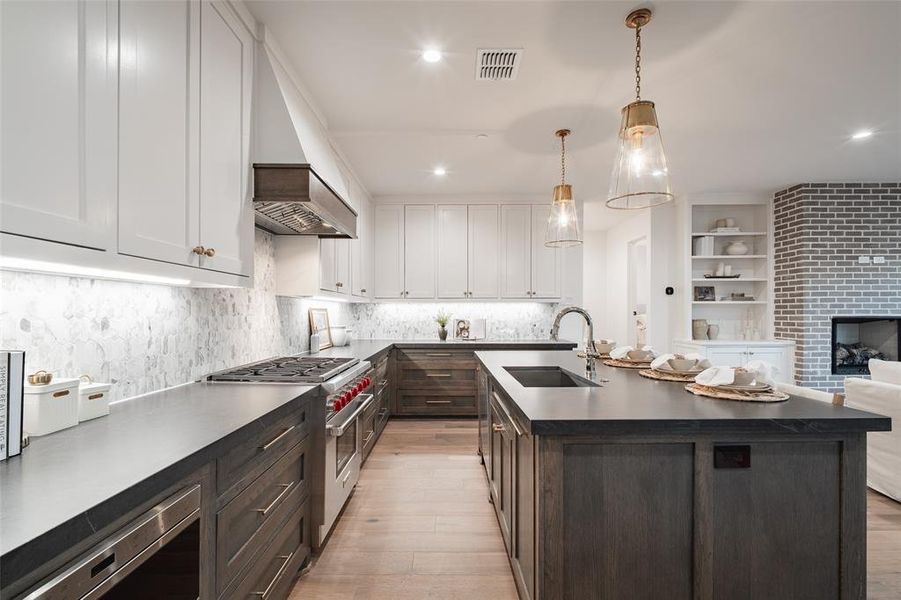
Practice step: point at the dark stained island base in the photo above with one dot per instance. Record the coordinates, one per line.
(633, 488)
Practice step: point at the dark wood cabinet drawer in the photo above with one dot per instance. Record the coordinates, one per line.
(368, 428)
(427, 359)
(251, 518)
(248, 459)
(412, 402)
(451, 376)
(273, 572)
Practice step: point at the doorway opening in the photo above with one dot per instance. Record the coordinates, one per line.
(638, 292)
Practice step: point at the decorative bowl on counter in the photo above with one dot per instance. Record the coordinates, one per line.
(339, 335)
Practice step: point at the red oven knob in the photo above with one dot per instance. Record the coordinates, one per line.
(354, 392)
(366, 382)
(346, 397)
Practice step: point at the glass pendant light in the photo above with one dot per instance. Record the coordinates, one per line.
(640, 177)
(562, 222)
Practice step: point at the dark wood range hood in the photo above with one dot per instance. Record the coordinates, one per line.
(291, 199)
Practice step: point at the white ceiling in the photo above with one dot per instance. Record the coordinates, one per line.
(751, 96)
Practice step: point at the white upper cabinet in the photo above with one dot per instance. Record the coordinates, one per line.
(226, 67)
(342, 266)
(58, 77)
(388, 254)
(453, 227)
(184, 135)
(158, 208)
(484, 251)
(546, 268)
(516, 251)
(419, 251)
(328, 265)
(361, 253)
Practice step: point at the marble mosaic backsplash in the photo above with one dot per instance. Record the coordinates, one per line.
(145, 337)
(505, 320)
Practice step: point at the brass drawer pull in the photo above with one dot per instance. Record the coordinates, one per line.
(278, 575)
(506, 412)
(209, 252)
(60, 393)
(277, 500)
(437, 401)
(368, 437)
(95, 396)
(198, 250)
(276, 439)
(437, 374)
(439, 354)
(498, 427)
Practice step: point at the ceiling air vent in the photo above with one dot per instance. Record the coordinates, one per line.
(498, 64)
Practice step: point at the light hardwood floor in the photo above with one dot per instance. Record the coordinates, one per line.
(419, 527)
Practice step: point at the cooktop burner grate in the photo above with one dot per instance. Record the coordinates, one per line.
(288, 369)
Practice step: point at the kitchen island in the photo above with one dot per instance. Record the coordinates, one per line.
(611, 485)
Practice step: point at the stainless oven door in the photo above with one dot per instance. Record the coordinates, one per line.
(343, 457)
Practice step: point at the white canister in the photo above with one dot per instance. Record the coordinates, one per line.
(51, 407)
(339, 336)
(93, 400)
(314, 343)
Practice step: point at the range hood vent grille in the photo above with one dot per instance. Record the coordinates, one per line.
(498, 64)
(288, 217)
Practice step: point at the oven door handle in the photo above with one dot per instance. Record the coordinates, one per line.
(337, 429)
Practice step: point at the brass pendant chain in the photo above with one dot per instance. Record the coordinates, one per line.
(638, 63)
(563, 160)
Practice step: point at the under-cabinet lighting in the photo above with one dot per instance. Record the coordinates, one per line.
(40, 266)
(862, 134)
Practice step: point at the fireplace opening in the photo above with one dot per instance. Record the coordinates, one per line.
(855, 340)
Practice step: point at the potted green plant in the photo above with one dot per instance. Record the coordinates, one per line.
(442, 319)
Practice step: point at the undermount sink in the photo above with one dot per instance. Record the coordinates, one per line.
(548, 377)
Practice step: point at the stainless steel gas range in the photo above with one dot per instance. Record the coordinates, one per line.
(346, 382)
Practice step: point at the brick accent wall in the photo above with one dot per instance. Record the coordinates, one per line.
(820, 231)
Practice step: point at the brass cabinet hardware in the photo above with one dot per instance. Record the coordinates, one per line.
(276, 439)
(498, 427)
(264, 595)
(506, 412)
(277, 500)
(438, 354)
(60, 393)
(437, 374)
(209, 252)
(368, 437)
(339, 284)
(198, 250)
(437, 401)
(362, 290)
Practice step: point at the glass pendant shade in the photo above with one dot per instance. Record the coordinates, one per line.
(563, 222)
(640, 178)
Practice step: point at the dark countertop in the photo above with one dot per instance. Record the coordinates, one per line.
(61, 489)
(629, 403)
(58, 480)
(366, 349)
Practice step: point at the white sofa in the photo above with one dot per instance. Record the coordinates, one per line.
(882, 395)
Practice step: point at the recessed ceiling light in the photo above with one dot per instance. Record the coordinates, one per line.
(862, 134)
(482, 136)
(431, 55)
(440, 171)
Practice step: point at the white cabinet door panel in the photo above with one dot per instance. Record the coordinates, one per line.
(452, 251)
(226, 58)
(358, 253)
(158, 208)
(546, 268)
(484, 251)
(342, 266)
(388, 252)
(777, 356)
(516, 251)
(727, 356)
(419, 251)
(328, 264)
(59, 79)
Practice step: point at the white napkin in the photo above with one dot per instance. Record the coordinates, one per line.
(661, 360)
(714, 376)
(620, 352)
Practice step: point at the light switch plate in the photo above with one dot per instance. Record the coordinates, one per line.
(878, 260)
(863, 260)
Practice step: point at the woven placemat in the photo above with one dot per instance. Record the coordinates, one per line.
(720, 394)
(624, 364)
(664, 376)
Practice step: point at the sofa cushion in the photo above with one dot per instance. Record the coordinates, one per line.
(885, 371)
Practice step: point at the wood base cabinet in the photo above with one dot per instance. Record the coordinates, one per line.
(435, 383)
(692, 516)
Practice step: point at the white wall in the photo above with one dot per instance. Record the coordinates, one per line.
(594, 280)
(618, 313)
